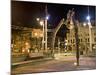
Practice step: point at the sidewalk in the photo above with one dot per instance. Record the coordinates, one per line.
(86, 63)
(29, 61)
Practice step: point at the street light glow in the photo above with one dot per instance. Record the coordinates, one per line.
(84, 24)
(35, 34)
(89, 23)
(88, 17)
(41, 35)
(37, 19)
(41, 23)
(47, 17)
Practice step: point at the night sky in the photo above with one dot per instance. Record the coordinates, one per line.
(25, 13)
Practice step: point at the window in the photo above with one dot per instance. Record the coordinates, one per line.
(71, 41)
(88, 40)
(68, 41)
(94, 39)
(81, 40)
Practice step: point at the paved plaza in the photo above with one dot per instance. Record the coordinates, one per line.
(66, 63)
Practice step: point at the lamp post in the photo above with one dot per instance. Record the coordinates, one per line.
(42, 24)
(89, 24)
(90, 32)
(46, 18)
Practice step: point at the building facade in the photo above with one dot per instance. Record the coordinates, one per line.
(84, 40)
(26, 40)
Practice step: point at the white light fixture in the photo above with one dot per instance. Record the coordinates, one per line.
(37, 19)
(88, 17)
(47, 17)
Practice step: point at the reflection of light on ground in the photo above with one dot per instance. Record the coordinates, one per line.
(64, 56)
(81, 68)
(75, 63)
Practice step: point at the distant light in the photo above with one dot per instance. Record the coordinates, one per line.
(37, 19)
(47, 17)
(35, 34)
(65, 44)
(84, 24)
(75, 63)
(41, 23)
(41, 35)
(26, 43)
(89, 23)
(88, 17)
(28, 50)
(23, 51)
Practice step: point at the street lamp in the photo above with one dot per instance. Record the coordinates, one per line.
(44, 24)
(41, 22)
(84, 24)
(47, 17)
(89, 24)
(88, 17)
(37, 19)
(36, 34)
(46, 20)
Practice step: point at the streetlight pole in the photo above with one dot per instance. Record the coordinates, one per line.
(42, 24)
(90, 37)
(89, 24)
(46, 28)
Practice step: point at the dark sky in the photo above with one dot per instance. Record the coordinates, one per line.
(25, 13)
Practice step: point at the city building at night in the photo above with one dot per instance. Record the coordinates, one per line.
(52, 37)
(84, 39)
(24, 40)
